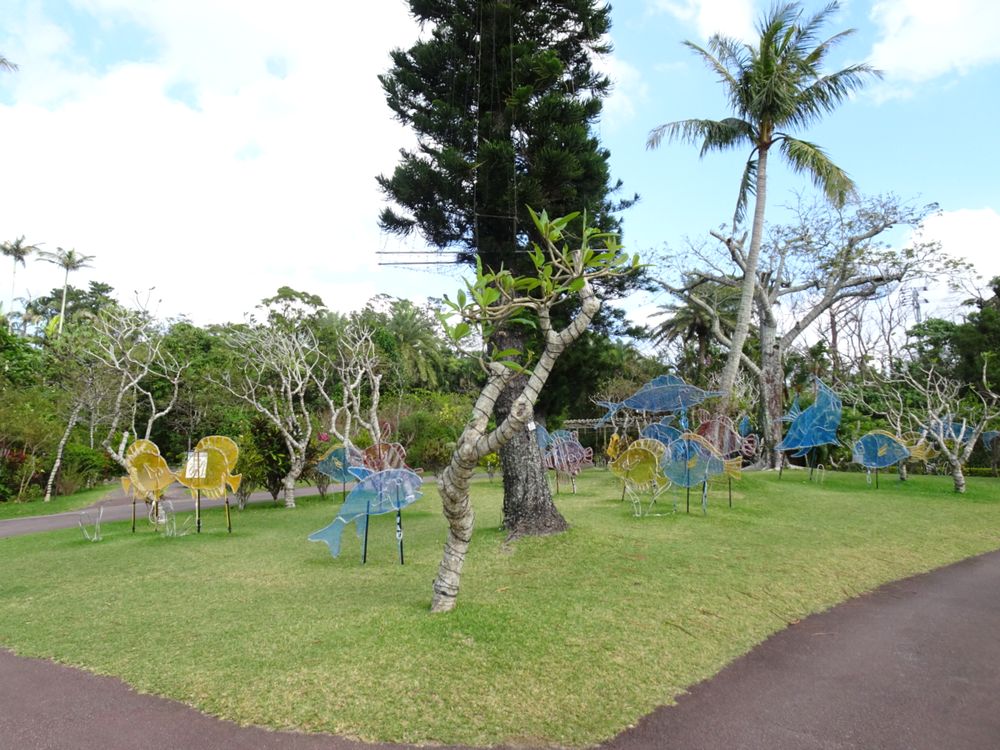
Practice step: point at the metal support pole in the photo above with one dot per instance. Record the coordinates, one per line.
(133, 515)
(229, 521)
(399, 534)
(364, 547)
(197, 511)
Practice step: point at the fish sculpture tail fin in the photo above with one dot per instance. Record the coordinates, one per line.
(733, 467)
(126, 485)
(234, 480)
(330, 535)
(922, 451)
(612, 407)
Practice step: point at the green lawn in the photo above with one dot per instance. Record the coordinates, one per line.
(58, 504)
(564, 640)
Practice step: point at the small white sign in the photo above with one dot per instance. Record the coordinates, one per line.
(197, 465)
(531, 426)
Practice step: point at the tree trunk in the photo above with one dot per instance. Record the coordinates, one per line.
(528, 509)
(59, 450)
(742, 326)
(772, 391)
(902, 471)
(288, 483)
(958, 477)
(62, 307)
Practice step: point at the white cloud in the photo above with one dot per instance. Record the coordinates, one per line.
(734, 18)
(969, 234)
(628, 91)
(269, 179)
(923, 39)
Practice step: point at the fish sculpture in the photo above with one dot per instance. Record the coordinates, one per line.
(383, 456)
(385, 491)
(722, 434)
(148, 477)
(337, 465)
(666, 393)
(988, 437)
(231, 454)
(692, 460)
(958, 433)
(639, 470)
(815, 425)
(567, 456)
(662, 431)
(879, 449)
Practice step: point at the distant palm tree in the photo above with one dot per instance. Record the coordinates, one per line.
(68, 260)
(19, 250)
(687, 321)
(774, 86)
(6, 64)
(420, 351)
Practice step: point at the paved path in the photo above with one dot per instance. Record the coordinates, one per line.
(914, 665)
(118, 507)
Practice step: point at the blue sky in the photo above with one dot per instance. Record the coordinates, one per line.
(211, 151)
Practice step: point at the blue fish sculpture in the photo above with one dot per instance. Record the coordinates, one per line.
(691, 460)
(662, 394)
(815, 425)
(959, 432)
(988, 437)
(381, 492)
(879, 450)
(335, 464)
(665, 433)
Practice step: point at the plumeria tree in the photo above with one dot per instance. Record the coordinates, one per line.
(565, 269)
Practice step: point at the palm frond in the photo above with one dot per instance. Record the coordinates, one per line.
(824, 94)
(715, 135)
(714, 63)
(6, 64)
(808, 158)
(748, 189)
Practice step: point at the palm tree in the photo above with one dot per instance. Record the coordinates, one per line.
(420, 349)
(19, 251)
(6, 64)
(688, 321)
(68, 260)
(773, 87)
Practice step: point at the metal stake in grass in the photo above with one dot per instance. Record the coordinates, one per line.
(197, 511)
(399, 526)
(364, 546)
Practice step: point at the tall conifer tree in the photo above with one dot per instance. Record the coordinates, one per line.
(503, 97)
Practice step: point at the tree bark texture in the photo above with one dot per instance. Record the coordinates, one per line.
(958, 476)
(742, 326)
(771, 392)
(528, 509)
(73, 418)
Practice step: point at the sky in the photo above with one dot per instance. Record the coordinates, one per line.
(207, 152)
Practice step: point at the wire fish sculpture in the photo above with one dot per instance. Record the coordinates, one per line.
(816, 425)
(380, 492)
(667, 393)
(692, 460)
(639, 469)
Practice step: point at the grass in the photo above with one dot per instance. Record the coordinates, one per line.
(564, 640)
(58, 503)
